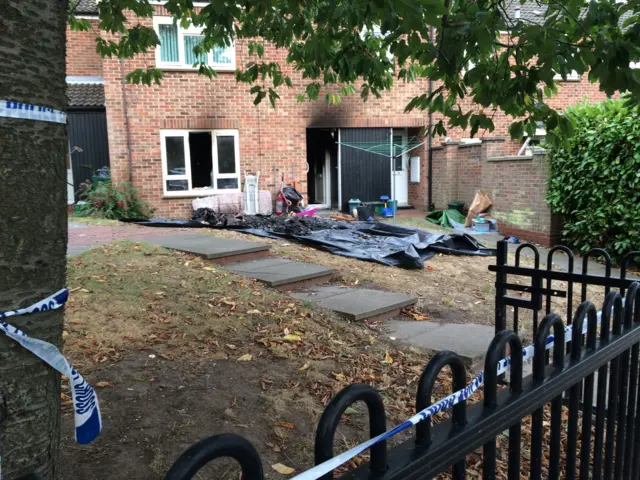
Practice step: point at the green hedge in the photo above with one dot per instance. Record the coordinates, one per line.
(595, 178)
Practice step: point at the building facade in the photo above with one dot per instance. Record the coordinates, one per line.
(193, 136)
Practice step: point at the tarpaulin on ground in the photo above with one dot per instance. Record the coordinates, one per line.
(446, 218)
(372, 241)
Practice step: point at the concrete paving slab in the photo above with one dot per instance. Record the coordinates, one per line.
(356, 303)
(277, 272)
(470, 341)
(321, 292)
(248, 267)
(208, 246)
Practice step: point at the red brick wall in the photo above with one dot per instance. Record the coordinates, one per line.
(82, 58)
(516, 185)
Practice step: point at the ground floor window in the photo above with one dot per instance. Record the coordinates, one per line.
(200, 161)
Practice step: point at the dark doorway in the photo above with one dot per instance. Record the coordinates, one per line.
(201, 159)
(87, 129)
(322, 167)
(365, 175)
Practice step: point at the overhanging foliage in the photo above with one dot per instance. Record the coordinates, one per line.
(456, 43)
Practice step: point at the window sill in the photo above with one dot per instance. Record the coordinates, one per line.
(511, 158)
(209, 193)
(187, 68)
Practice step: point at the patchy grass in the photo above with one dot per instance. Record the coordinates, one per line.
(92, 220)
(456, 289)
(181, 349)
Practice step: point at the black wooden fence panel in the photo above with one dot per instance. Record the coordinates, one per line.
(364, 175)
(87, 130)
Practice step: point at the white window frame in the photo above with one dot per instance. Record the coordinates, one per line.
(572, 77)
(190, 192)
(181, 65)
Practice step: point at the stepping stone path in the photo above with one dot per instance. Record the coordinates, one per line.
(247, 259)
(282, 273)
(357, 303)
(220, 250)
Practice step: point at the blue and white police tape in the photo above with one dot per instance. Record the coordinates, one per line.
(27, 111)
(85, 401)
(441, 406)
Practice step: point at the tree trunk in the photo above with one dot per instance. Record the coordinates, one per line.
(33, 228)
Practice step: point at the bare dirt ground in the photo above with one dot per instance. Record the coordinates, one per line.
(179, 349)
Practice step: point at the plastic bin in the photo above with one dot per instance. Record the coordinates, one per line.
(457, 205)
(354, 203)
(378, 206)
(481, 226)
(366, 212)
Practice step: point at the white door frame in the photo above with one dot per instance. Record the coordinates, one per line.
(404, 132)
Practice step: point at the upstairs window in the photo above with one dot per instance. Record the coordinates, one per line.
(200, 162)
(177, 44)
(571, 77)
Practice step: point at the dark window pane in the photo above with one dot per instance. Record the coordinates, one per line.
(175, 155)
(226, 154)
(177, 185)
(227, 183)
(200, 158)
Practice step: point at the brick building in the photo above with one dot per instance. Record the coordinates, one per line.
(192, 136)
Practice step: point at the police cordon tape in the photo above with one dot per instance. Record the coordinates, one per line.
(88, 422)
(27, 111)
(441, 406)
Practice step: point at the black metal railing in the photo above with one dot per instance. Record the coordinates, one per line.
(539, 282)
(593, 440)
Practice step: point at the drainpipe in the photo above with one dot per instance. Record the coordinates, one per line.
(431, 206)
(125, 108)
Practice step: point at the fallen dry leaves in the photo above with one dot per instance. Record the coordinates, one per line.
(283, 469)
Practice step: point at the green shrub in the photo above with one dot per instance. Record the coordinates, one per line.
(594, 178)
(108, 200)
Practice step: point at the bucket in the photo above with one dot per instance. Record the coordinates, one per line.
(392, 205)
(354, 203)
(365, 212)
(457, 205)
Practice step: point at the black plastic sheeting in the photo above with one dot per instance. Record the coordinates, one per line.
(371, 241)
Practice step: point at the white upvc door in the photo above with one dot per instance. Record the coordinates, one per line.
(400, 168)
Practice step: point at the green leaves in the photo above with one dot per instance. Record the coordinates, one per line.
(481, 59)
(593, 180)
(144, 76)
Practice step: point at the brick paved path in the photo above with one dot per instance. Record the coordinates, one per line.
(84, 237)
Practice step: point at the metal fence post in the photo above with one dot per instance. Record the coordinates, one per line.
(501, 291)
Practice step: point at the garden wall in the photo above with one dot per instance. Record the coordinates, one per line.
(517, 185)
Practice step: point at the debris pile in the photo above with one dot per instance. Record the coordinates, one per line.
(283, 225)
